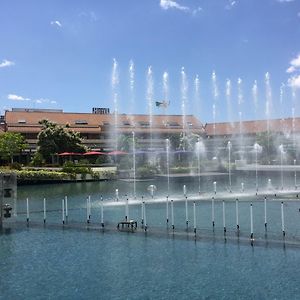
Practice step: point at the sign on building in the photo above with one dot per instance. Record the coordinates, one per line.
(100, 110)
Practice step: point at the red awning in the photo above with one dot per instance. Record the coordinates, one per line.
(68, 154)
(117, 153)
(95, 153)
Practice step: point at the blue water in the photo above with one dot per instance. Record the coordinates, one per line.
(52, 263)
(56, 264)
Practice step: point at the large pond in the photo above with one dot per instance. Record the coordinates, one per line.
(38, 262)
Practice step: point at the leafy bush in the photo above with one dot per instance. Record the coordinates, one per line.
(37, 160)
(69, 167)
(16, 166)
(146, 171)
(41, 175)
(180, 170)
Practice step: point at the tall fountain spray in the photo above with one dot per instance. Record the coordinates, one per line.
(184, 92)
(240, 103)
(168, 163)
(281, 104)
(131, 87)
(165, 93)
(229, 165)
(215, 93)
(149, 96)
(134, 164)
(281, 150)
(166, 86)
(257, 149)
(115, 87)
(268, 106)
(255, 104)
(228, 101)
(197, 93)
(293, 130)
(199, 148)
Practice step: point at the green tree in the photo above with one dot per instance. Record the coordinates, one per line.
(54, 139)
(125, 142)
(11, 144)
(188, 141)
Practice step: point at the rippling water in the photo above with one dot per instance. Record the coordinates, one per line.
(51, 263)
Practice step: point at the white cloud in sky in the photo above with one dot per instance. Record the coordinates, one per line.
(294, 65)
(15, 97)
(56, 23)
(285, 1)
(6, 63)
(167, 4)
(197, 10)
(231, 4)
(298, 14)
(294, 81)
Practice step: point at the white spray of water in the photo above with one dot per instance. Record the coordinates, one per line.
(214, 118)
(131, 85)
(197, 93)
(149, 96)
(184, 91)
(166, 86)
(240, 92)
(115, 87)
(268, 99)
(215, 86)
(228, 100)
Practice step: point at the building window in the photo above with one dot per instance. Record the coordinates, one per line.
(173, 124)
(144, 124)
(22, 121)
(81, 122)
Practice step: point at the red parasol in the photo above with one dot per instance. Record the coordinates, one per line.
(95, 153)
(68, 154)
(117, 153)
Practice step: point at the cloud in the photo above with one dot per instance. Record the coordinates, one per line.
(294, 82)
(298, 14)
(14, 97)
(294, 65)
(6, 63)
(197, 10)
(285, 1)
(231, 4)
(167, 4)
(56, 23)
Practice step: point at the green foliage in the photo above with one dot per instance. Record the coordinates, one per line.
(188, 141)
(15, 166)
(146, 171)
(102, 159)
(125, 142)
(174, 140)
(56, 139)
(69, 167)
(41, 175)
(37, 160)
(125, 162)
(180, 170)
(11, 144)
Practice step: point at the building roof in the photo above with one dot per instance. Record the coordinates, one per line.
(252, 127)
(28, 121)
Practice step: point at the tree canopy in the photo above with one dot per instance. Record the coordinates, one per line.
(11, 144)
(54, 139)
